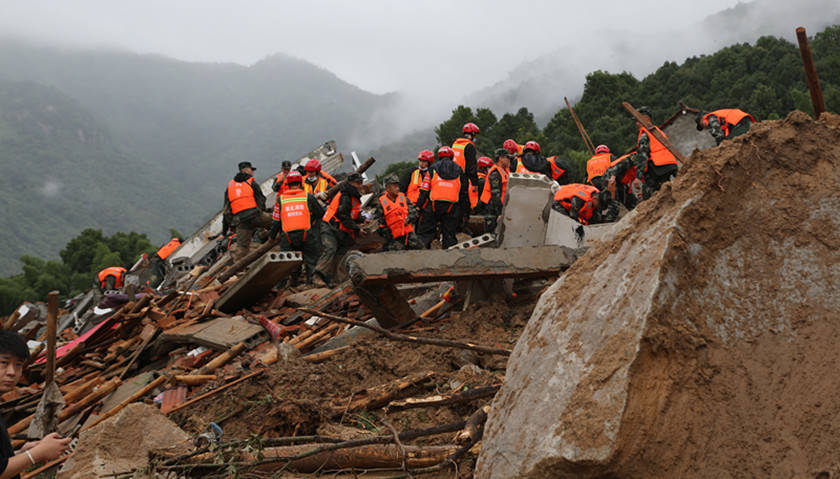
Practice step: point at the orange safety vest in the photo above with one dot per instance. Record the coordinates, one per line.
(659, 155)
(728, 116)
(413, 190)
(115, 271)
(485, 192)
(241, 198)
(458, 148)
(294, 211)
(332, 181)
(473, 192)
(445, 190)
(556, 171)
(396, 212)
(520, 168)
(333, 209)
(168, 248)
(281, 180)
(566, 192)
(597, 166)
(320, 186)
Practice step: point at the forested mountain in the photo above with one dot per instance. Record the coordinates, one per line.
(60, 171)
(540, 84)
(765, 78)
(161, 136)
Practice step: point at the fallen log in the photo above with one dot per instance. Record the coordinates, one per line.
(443, 400)
(318, 357)
(411, 339)
(378, 396)
(220, 360)
(376, 456)
(475, 426)
(194, 380)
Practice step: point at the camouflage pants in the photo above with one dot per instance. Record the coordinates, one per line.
(656, 176)
(405, 242)
(309, 245)
(245, 233)
(334, 243)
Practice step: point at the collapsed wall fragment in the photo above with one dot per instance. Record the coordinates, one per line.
(701, 340)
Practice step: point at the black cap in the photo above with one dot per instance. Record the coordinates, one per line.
(286, 164)
(354, 178)
(245, 164)
(645, 110)
(502, 152)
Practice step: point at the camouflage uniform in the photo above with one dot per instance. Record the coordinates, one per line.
(599, 215)
(653, 176)
(335, 242)
(494, 207)
(716, 130)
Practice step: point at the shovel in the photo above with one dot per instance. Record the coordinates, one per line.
(45, 420)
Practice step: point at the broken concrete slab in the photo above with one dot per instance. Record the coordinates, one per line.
(525, 212)
(450, 265)
(126, 389)
(123, 442)
(486, 239)
(263, 275)
(219, 333)
(564, 231)
(307, 297)
(683, 135)
(697, 330)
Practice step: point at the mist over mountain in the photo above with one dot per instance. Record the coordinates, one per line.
(541, 84)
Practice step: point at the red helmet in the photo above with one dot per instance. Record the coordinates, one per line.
(294, 176)
(511, 146)
(484, 162)
(426, 155)
(313, 165)
(532, 145)
(602, 149)
(471, 128)
(445, 152)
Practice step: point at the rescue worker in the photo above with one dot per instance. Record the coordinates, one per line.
(654, 163)
(493, 192)
(111, 278)
(598, 165)
(552, 167)
(317, 182)
(297, 217)
(340, 227)
(628, 188)
(396, 215)
(515, 149)
(157, 263)
(725, 124)
(586, 204)
(244, 208)
(465, 156)
(279, 184)
(483, 165)
(410, 184)
(443, 198)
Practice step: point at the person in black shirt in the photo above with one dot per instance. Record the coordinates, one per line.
(13, 353)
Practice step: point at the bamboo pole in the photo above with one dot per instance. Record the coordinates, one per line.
(586, 140)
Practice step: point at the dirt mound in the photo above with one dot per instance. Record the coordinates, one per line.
(297, 398)
(701, 340)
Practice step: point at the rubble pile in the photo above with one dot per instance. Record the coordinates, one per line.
(701, 340)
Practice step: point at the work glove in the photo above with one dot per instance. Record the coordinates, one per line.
(322, 196)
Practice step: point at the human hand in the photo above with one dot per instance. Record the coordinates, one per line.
(51, 447)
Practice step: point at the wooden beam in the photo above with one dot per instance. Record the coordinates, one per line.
(655, 132)
(810, 73)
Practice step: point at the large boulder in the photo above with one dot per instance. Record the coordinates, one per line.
(703, 339)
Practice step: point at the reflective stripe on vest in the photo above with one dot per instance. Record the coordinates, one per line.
(320, 186)
(659, 155)
(294, 211)
(396, 212)
(413, 190)
(485, 192)
(240, 197)
(458, 147)
(728, 116)
(356, 208)
(330, 180)
(115, 271)
(168, 248)
(445, 190)
(585, 192)
(597, 166)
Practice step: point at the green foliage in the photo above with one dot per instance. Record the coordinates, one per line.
(765, 79)
(82, 259)
(399, 168)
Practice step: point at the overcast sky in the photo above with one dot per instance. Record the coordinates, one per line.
(378, 45)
